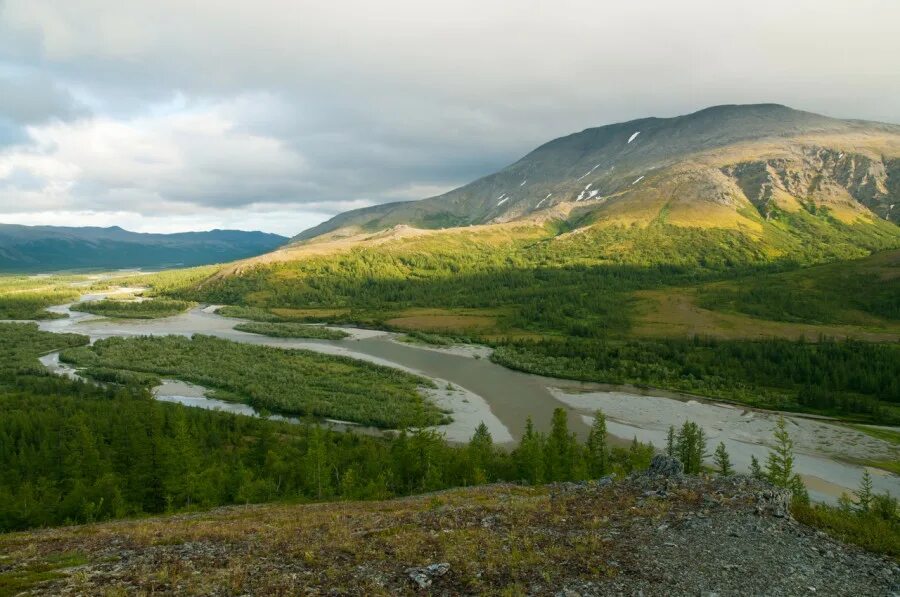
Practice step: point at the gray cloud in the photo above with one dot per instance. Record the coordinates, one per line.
(228, 105)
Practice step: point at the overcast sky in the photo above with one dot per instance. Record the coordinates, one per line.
(170, 115)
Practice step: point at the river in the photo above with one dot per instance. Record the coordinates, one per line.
(477, 390)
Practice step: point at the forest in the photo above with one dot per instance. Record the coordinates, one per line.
(27, 297)
(289, 382)
(74, 452)
(132, 309)
(856, 380)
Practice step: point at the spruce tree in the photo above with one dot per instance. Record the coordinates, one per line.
(529, 456)
(481, 450)
(559, 448)
(690, 447)
(755, 469)
(598, 450)
(865, 493)
(780, 463)
(670, 442)
(723, 461)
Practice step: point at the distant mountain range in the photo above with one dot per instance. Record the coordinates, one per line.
(49, 248)
(735, 167)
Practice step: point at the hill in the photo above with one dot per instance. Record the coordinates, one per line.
(48, 248)
(726, 167)
(648, 534)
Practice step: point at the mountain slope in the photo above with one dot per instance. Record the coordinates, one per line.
(43, 248)
(725, 167)
(639, 536)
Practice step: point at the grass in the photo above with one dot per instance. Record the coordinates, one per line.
(34, 573)
(291, 330)
(290, 382)
(498, 540)
(536, 539)
(868, 531)
(149, 309)
(891, 436)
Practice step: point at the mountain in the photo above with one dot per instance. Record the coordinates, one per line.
(46, 248)
(734, 167)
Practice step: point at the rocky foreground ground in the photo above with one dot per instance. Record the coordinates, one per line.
(647, 535)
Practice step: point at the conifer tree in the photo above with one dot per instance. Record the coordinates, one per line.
(723, 460)
(690, 447)
(865, 493)
(670, 442)
(755, 469)
(481, 451)
(598, 450)
(780, 463)
(529, 456)
(559, 448)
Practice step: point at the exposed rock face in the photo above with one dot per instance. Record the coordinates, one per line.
(821, 177)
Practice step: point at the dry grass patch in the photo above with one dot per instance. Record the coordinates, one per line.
(444, 320)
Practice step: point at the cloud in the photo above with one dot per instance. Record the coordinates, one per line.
(226, 104)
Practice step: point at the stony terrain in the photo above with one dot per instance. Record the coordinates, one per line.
(652, 534)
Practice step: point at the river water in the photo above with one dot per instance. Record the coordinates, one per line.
(477, 390)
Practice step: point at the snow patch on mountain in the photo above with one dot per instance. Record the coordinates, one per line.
(588, 172)
(542, 200)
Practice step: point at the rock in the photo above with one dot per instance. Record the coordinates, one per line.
(774, 501)
(664, 466)
(425, 576)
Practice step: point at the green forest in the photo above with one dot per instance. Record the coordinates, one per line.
(131, 309)
(289, 382)
(27, 297)
(857, 380)
(77, 452)
(74, 452)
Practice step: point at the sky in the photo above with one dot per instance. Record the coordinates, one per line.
(175, 115)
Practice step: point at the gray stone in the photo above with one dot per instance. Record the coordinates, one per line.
(664, 466)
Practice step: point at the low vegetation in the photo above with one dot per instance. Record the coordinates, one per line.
(292, 330)
(147, 309)
(290, 382)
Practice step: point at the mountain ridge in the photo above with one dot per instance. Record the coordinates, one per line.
(46, 248)
(858, 163)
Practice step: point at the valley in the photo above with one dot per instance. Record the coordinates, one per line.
(474, 390)
(717, 292)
